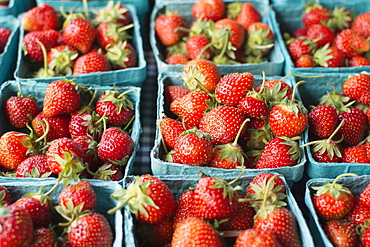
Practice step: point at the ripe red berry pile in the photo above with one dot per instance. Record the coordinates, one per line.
(225, 33)
(226, 121)
(210, 211)
(72, 219)
(330, 38)
(77, 44)
(78, 132)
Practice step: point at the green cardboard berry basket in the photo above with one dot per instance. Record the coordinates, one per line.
(355, 184)
(289, 13)
(103, 190)
(7, 58)
(179, 185)
(134, 76)
(15, 7)
(37, 89)
(274, 65)
(141, 6)
(160, 167)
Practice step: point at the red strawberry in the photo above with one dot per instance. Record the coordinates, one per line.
(237, 31)
(115, 146)
(315, 13)
(155, 235)
(79, 33)
(4, 37)
(91, 62)
(304, 62)
(40, 18)
(328, 56)
(90, 229)
(200, 146)
(222, 123)
(253, 237)
(81, 124)
(323, 120)
(355, 154)
(61, 59)
(340, 18)
(122, 55)
(185, 207)
(201, 73)
(279, 152)
(5, 197)
(32, 48)
(38, 207)
(351, 44)
(34, 166)
(56, 127)
(332, 200)
(113, 12)
(321, 34)
(174, 92)
(170, 131)
(168, 28)
(43, 236)
(17, 223)
(359, 214)
(90, 148)
(109, 33)
(198, 47)
(365, 236)
(61, 97)
(149, 198)
(116, 106)
(356, 87)
(354, 127)
(341, 232)
(233, 87)
(277, 90)
(327, 150)
(302, 46)
(109, 172)
(365, 196)
(361, 24)
(257, 188)
(260, 39)
(245, 13)
(358, 61)
(81, 194)
(191, 107)
(195, 232)
(177, 58)
(299, 32)
(253, 105)
(209, 9)
(14, 148)
(20, 110)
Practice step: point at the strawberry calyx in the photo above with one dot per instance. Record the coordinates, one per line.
(104, 172)
(234, 9)
(44, 72)
(112, 12)
(72, 167)
(71, 16)
(258, 42)
(309, 5)
(193, 78)
(62, 61)
(340, 18)
(322, 55)
(118, 54)
(336, 100)
(199, 26)
(334, 189)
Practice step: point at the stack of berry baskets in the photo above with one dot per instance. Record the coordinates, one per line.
(141, 6)
(99, 204)
(332, 150)
(267, 57)
(62, 128)
(304, 20)
(180, 188)
(163, 163)
(9, 27)
(356, 212)
(123, 63)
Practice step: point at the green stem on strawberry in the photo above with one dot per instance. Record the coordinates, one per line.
(304, 76)
(44, 72)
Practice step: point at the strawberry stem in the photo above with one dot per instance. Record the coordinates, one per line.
(344, 175)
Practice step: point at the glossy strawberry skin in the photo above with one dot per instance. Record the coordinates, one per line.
(365, 196)
(323, 120)
(91, 62)
(177, 58)
(40, 212)
(43, 236)
(80, 33)
(170, 131)
(355, 154)
(37, 161)
(301, 47)
(357, 88)
(354, 127)
(351, 44)
(40, 18)
(58, 125)
(185, 207)
(209, 9)
(361, 24)
(341, 232)
(13, 149)
(48, 38)
(257, 238)
(198, 47)
(248, 15)
(262, 178)
(4, 37)
(238, 32)
(167, 28)
(315, 15)
(20, 110)
(79, 193)
(322, 33)
(359, 213)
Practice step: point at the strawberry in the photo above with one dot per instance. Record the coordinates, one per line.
(91, 62)
(323, 120)
(361, 24)
(237, 31)
(32, 48)
(61, 59)
(209, 9)
(254, 237)
(341, 232)
(15, 222)
(149, 198)
(195, 232)
(359, 213)
(116, 106)
(260, 39)
(304, 62)
(156, 235)
(191, 107)
(61, 97)
(299, 32)
(79, 33)
(115, 146)
(233, 87)
(358, 61)
(356, 87)
(20, 110)
(168, 28)
(321, 34)
(81, 194)
(173, 92)
(90, 229)
(200, 146)
(288, 118)
(354, 127)
(184, 208)
(327, 150)
(81, 124)
(56, 127)
(170, 131)
(40, 18)
(328, 56)
(38, 207)
(4, 37)
(253, 105)
(355, 154)
(5, 197)
(122, 55)
(222, 123)
(90, 148)
(350, 43)
(276, 90)
(302, 46)
(111, 33)
(201, 73)
(244, 12)
(34, 166)
(315, 13)
(177, 58)
(43, 236)
(14, 148)
(365, 196)
(109, 172)
(112, 12)
(198, 47)
(340, 18)
(332, 201)
(279, 152)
